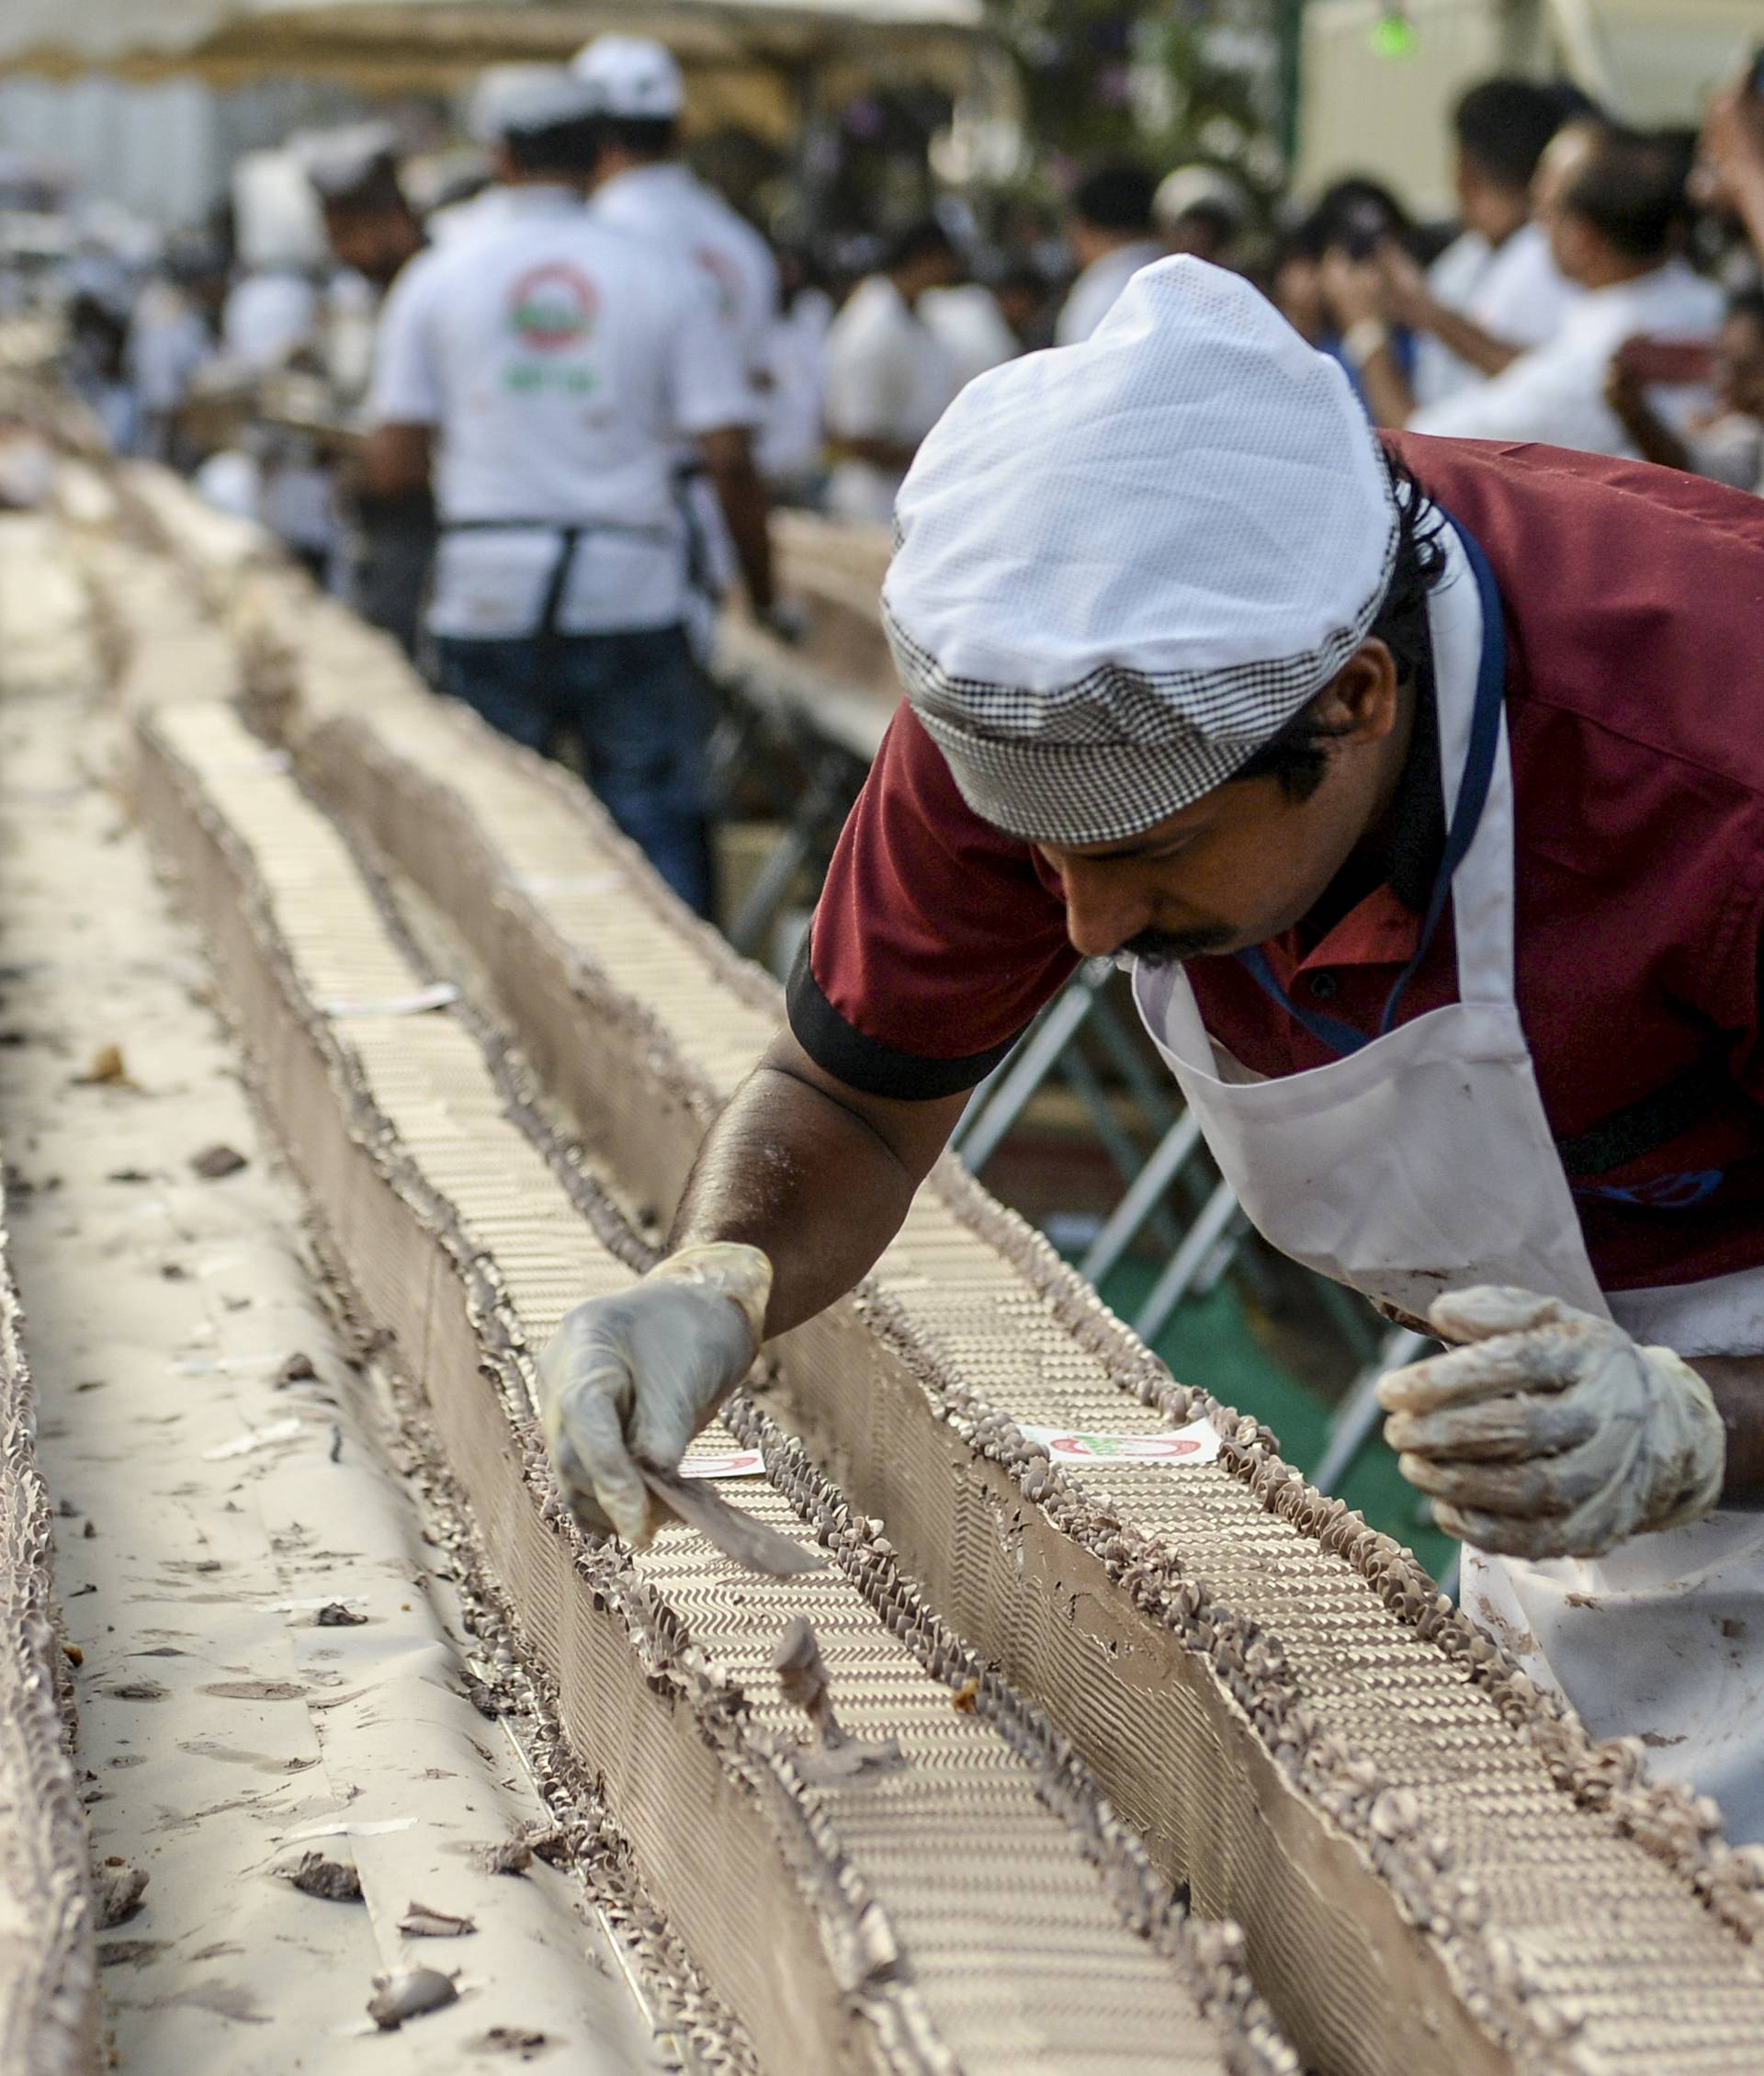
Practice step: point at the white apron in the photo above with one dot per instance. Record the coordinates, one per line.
(1423, 1162)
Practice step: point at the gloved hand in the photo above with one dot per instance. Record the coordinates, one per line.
(638, 1375)
(1551, 1433)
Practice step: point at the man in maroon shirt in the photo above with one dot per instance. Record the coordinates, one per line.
(1423, 789)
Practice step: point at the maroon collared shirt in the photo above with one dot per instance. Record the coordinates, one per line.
(1634, 616)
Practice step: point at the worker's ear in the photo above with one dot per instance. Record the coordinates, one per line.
(1360, 703)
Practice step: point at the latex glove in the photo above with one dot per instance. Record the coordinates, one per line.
(1551, 1433)
(638, 1375)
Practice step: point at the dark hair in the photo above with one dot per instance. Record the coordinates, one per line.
(1357, 212)
(374, 189)
(1115, 197)
(1021, 278)
(93, 319)
(1632, 191)
(916, 241)
(645, 137)
(1307, 239)
(1354, 198)
(1224, 223)
(1299, 757)
(1572, 103)
(1748, 303)
(569, 147)
(1503, 125)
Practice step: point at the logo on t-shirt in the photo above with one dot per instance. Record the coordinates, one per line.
(724, 279)
(553, 308)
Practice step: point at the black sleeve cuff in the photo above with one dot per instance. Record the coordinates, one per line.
(866, 1063)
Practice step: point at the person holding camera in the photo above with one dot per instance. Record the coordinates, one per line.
(1611, 202)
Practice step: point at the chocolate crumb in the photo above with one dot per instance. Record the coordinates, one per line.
(214, 1161)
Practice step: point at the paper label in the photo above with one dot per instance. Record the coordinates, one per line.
(436, 995)
(1196, 1443)
(733, 1463)
(222, 1365)
(348, 1827)
(258, 1439)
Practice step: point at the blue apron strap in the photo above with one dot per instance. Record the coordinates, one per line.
(1479, 762)
(1467, 817)
(1330, 1030)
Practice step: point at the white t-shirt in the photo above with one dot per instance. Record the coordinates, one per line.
(970, 324)
(1556, 394)
(1097, 288)
(1514, 290)
(669, 203)
(561, 363)
(669, 208)
(890, 377)
(442, 223)
(267, 316)
(795, 366)
(1730, 449)
(167, 343)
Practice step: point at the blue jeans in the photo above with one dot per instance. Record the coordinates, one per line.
(638, 706)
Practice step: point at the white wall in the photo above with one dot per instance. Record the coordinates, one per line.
(152, 148)
(1359, 112)
(1392, 116)
(1665, 55)
(163, 151)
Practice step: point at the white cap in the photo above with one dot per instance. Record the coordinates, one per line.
(1199, 186)
(633, 77)
(1122, 567)
(514, 100)
(341, 163)
(276, 218)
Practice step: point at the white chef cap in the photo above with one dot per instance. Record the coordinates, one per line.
(634, 78)
(519, 100)
(1122, 567)
(342, 164)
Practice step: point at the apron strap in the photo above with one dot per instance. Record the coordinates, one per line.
(1478, 764)
(571, 535)
(577, 528)
(1466, 818)
(686, 475)
(1642, 1127)
(1652, 1121)
(551, 606)
(1332, 1031)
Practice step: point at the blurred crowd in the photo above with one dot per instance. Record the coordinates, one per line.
(1600, 293)
(307, 357)
(1598, 289)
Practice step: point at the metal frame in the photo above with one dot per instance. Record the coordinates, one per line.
(756, 728)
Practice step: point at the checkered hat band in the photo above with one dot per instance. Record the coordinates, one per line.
(1120, 750)
(1085, 793)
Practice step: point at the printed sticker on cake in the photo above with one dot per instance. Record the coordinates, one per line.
(732, 1463)
(1196, 1443)
(438, 994)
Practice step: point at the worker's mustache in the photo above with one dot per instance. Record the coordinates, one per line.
(1174, 947)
